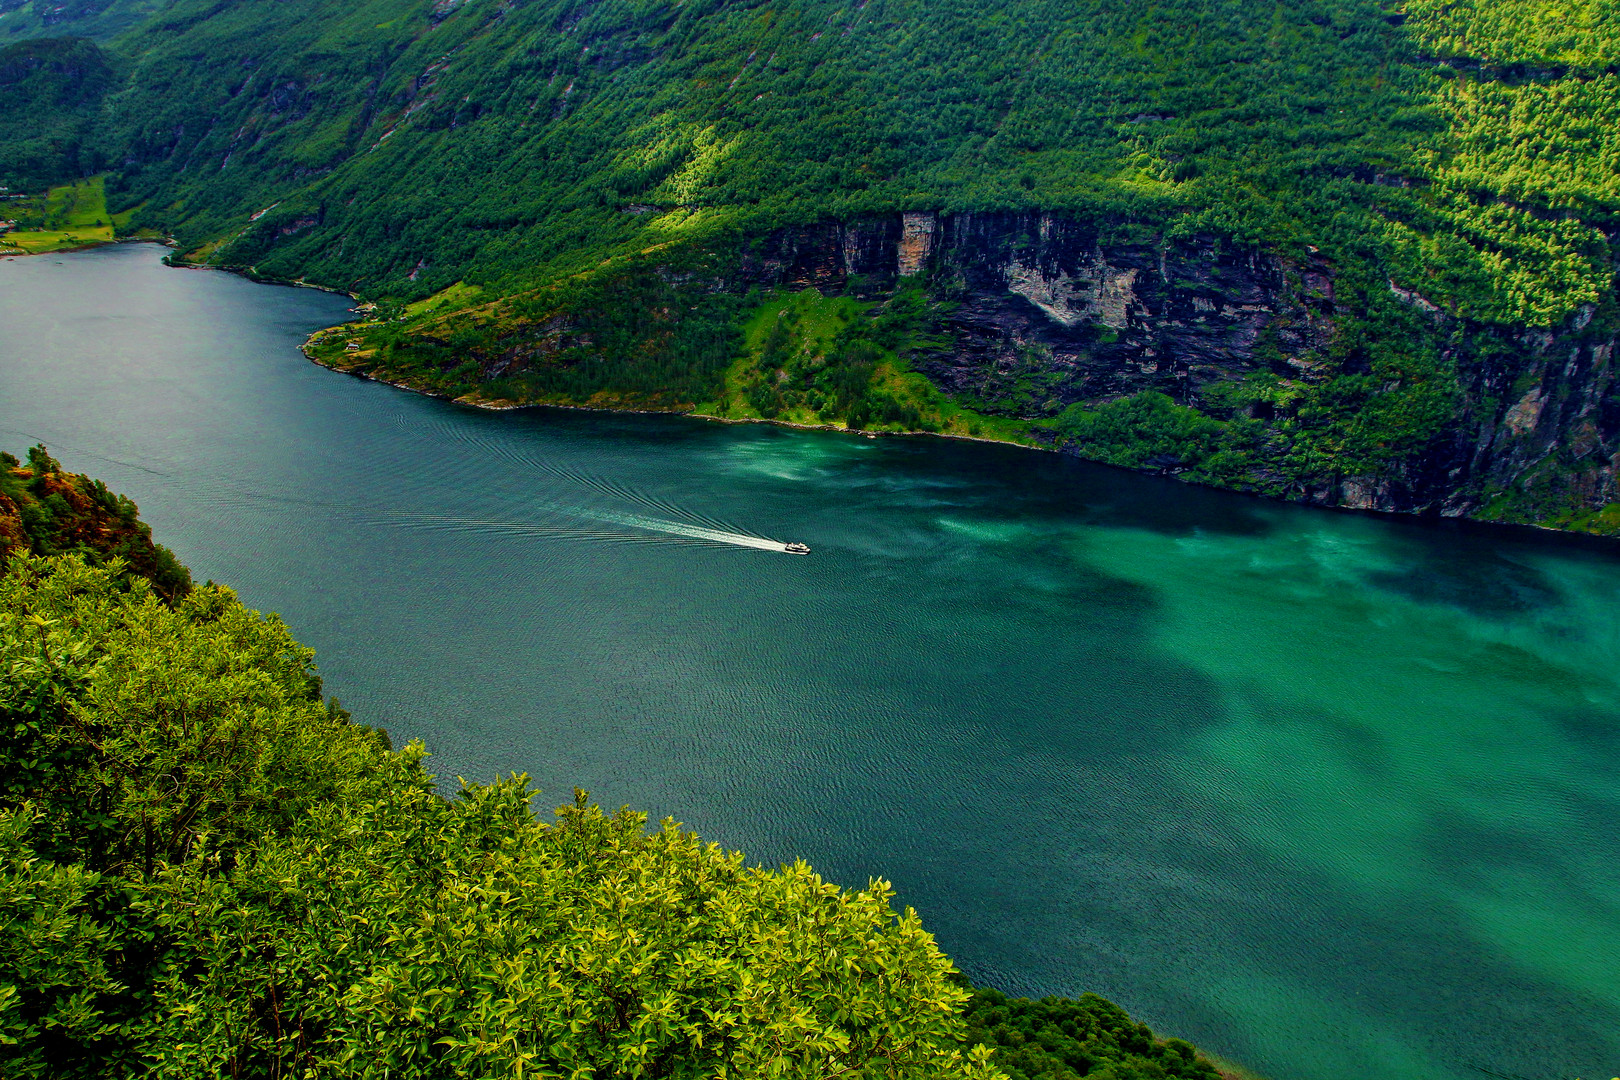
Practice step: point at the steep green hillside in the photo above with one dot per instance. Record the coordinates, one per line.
(1423, 192)
(416, 144)
(53, 92)
(1525, 175)
(502, 144)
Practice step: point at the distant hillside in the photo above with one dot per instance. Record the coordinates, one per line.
(53, 90)
(96, 19)
(1391, 220)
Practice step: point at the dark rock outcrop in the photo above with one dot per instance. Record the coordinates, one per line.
(1042, 312)
(1034, 294)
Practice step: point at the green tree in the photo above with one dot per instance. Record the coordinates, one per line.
(212, 871)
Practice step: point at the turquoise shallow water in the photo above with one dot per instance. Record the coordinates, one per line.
(1335, 796)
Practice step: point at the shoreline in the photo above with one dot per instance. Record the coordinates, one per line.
(67, 250)
(1598, 541)
(1607, 544)
(253, 275)
(492, 406)
(166, 241)
(248, 272)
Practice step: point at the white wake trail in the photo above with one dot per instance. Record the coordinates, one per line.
(676, 530)
(679, 528)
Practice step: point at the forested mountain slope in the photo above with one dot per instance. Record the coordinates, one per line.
(1349, 251)
(53, 90)
(96, 19)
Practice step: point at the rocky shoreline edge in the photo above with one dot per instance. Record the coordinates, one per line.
(1603, 543)
(510, 406)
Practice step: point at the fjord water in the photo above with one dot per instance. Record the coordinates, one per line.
(1338, 797)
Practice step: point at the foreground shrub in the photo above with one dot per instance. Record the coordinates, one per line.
(206, 870)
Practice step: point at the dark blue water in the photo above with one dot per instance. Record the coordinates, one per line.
(1336, 797)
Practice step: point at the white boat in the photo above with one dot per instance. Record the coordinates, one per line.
(796, 549)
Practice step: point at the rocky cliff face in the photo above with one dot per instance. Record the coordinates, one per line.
(1541, 431)
(1043, 312)
(1260, 373)
(1035, 294)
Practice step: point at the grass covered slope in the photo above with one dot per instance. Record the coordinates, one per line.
(843, 362)
(67, 216)
(208, 869)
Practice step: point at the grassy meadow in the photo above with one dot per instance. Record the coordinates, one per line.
(67, 216)
(841, 362)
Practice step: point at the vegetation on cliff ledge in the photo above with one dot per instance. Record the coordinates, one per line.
(45, 511)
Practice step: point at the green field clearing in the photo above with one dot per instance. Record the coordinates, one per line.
(811, 345)
(450, 298)
(72, 215)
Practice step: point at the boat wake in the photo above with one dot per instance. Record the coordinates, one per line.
(648, 530)
(697, 528)
(569, 522)
(694, 532)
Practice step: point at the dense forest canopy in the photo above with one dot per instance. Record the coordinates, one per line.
(407, 145)
(53, 91)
